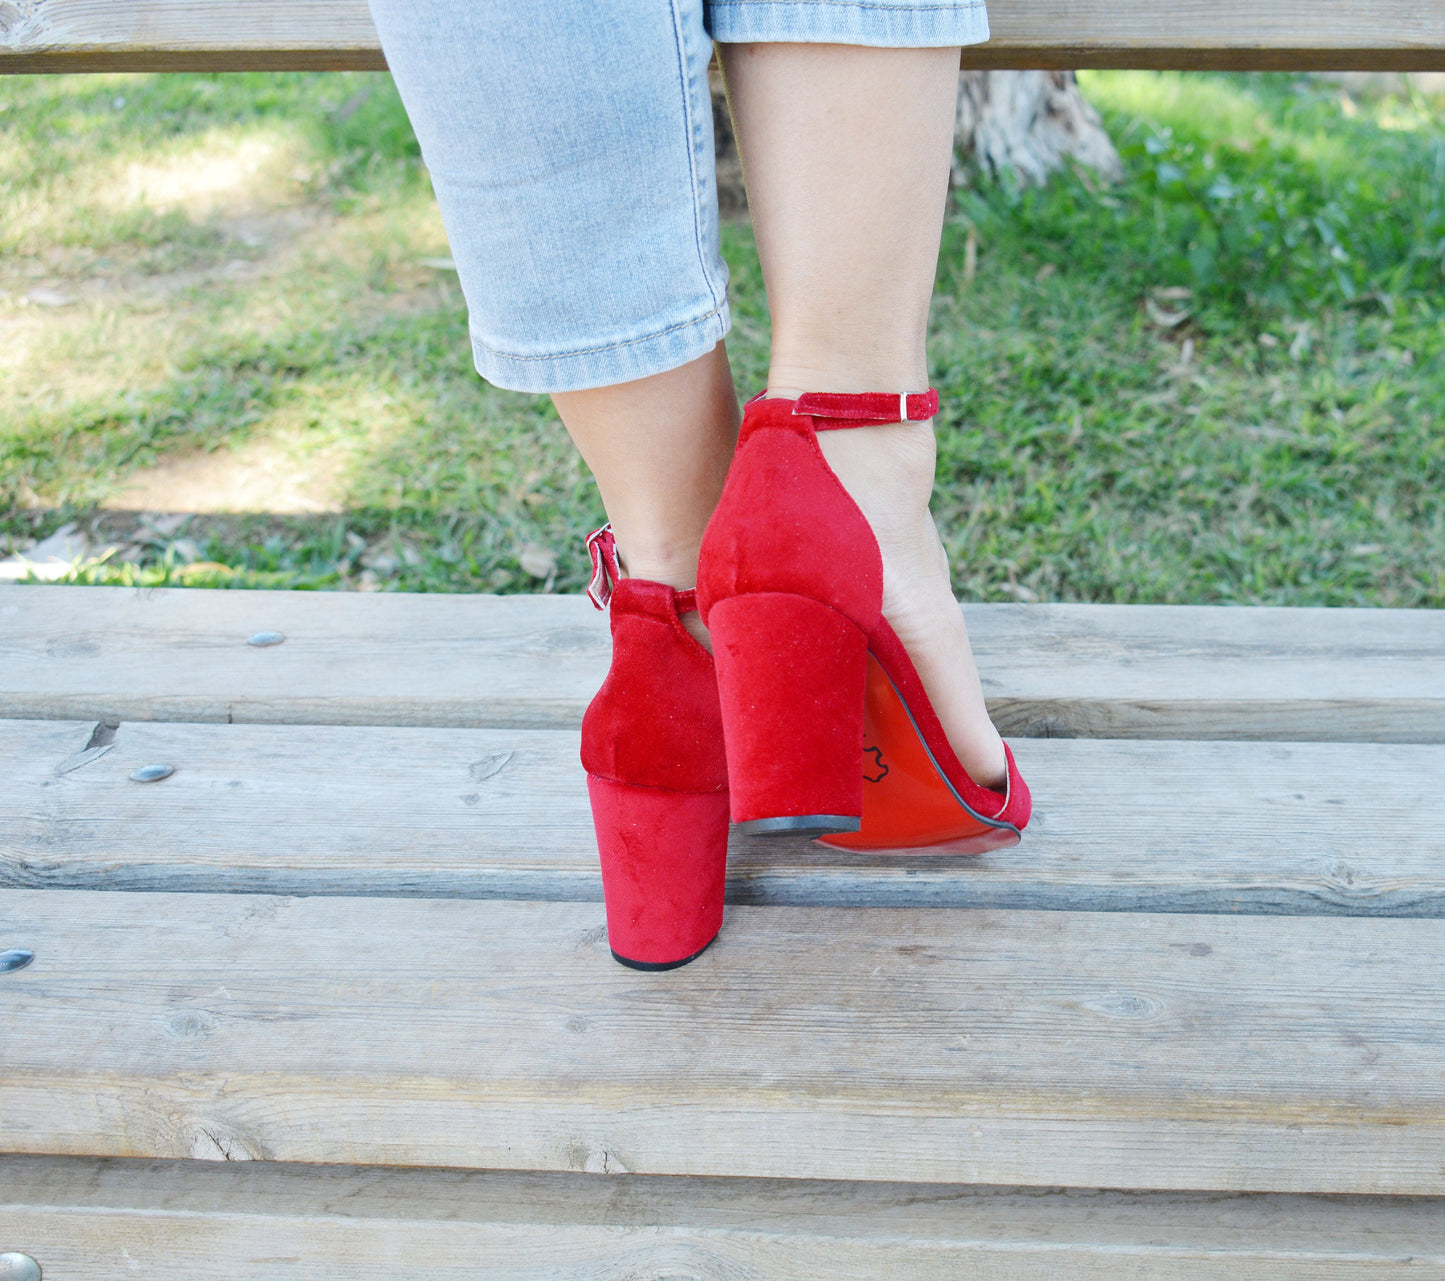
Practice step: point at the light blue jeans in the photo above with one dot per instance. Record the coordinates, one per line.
(570, 146)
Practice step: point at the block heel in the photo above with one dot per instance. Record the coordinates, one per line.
(791, 676)
(664, 866)
(652, 746)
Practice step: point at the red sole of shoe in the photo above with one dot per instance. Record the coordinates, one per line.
(908, 805)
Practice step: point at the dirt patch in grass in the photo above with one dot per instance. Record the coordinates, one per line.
(257, 476)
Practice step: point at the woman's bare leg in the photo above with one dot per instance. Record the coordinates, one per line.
(846, 151)
(659, 448)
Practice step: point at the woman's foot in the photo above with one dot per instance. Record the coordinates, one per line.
(888, 471)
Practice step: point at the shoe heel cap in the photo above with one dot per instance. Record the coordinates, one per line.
(801, 825)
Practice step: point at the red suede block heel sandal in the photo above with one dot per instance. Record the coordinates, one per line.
(828, 729)
(652, 746)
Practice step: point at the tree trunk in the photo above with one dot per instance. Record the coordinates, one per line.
(1027, 123)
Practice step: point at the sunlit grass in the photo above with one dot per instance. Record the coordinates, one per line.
(249, 271)
(1211, 105)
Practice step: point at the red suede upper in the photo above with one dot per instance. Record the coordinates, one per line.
(655, 722)
(786, 524)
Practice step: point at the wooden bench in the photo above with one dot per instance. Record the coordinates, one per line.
(333, 998)
(361, 931)
(337, 35)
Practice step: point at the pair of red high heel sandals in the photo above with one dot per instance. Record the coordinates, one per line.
(810, 719)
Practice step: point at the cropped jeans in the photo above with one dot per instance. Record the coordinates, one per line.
(570, 145)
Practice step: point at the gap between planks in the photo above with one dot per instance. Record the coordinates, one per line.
(274, 1222)
(1263, 828)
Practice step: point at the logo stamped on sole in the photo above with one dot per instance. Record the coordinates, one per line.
(880, 767)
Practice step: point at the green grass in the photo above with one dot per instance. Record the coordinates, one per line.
(1221, 379)
(1295, 456)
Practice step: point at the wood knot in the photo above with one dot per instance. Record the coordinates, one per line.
(216, 1141)
(1126, 1005)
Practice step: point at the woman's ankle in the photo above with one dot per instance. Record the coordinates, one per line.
(659, 560)
(888, 471)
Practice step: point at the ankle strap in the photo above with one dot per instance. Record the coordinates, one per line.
(607, 572)
(832, 410)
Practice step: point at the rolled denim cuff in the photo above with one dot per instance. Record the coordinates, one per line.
(890, 26)
(602, 366)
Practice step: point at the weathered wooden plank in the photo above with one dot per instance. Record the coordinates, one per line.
(1049, 1048)
(88, 1220)
(187, 35)
(1229, 34)
(347, 658)
(1120, 825)
(534, 661)
(168, 35)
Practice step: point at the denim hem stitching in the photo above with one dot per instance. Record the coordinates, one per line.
(612, 346)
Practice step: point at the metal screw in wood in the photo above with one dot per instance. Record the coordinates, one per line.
(15, 1266)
